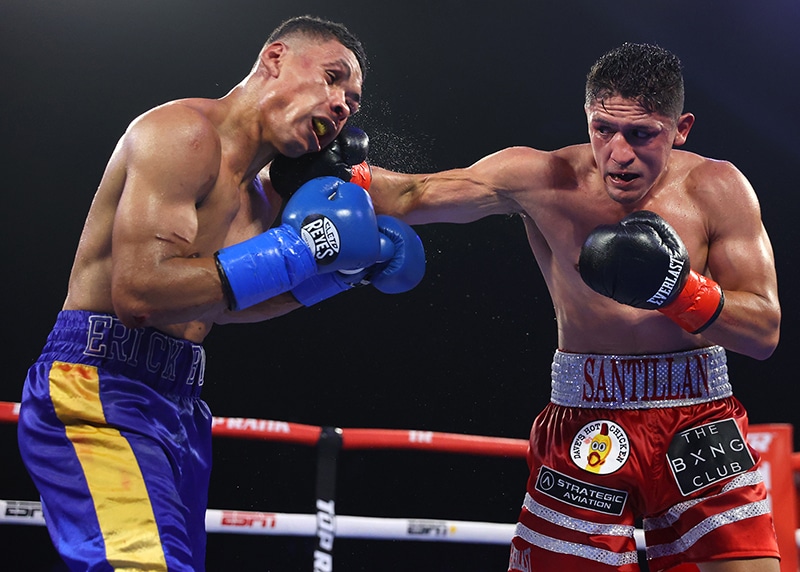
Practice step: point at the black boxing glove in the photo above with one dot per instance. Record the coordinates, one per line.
(642, 262)
(345, 158)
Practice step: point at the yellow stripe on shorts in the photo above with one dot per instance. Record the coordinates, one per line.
(112, 472)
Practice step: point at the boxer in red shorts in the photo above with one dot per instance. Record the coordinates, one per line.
(624, 436)
(655, 259)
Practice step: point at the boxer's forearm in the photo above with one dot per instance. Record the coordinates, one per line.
(748, 324)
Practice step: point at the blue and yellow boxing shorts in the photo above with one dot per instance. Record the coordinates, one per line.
(118, 442)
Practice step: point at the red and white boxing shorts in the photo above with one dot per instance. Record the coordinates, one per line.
(654, 438)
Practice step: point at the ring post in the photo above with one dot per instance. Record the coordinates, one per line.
(774, 441)
(328, 447)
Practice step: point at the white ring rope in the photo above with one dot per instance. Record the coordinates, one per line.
(290, 524)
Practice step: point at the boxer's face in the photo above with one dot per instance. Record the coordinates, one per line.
(320, 88)
(631, 145)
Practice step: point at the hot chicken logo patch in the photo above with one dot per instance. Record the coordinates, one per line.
(600, 447)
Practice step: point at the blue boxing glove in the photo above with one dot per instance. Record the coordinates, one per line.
(400, 267)
(327, 225)
(405, 269)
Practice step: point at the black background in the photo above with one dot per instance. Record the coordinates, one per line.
(468, 350)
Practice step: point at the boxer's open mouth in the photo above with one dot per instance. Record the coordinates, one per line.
(320, 127)
(624, 177)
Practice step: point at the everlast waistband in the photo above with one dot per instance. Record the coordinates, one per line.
(168, 364)
(639, 382)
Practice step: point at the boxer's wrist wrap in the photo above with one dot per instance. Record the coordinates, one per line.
(361, 175)
(264, 266)
(697, 305)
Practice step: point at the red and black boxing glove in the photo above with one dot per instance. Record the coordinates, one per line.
(344, 158)
(642, 262)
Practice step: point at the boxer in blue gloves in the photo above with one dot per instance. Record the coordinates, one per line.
(181, 235)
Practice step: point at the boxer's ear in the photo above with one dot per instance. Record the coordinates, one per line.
(684, 125)
(271, 57)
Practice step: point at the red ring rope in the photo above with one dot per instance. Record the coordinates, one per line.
(283, 431)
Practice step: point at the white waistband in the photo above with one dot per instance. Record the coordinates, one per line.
(639, 381)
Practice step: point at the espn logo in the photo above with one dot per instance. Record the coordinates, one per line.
(244, 519)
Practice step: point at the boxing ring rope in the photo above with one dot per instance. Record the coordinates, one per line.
(289, 524)
(326, 524)
(29, 513)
